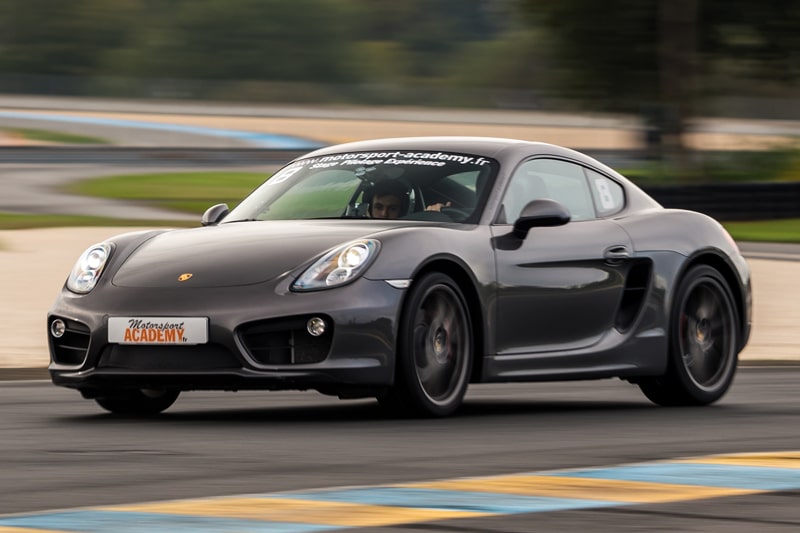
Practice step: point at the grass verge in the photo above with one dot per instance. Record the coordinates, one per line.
(189, 192)
(778, 165)
(54, 137)
(785, 230)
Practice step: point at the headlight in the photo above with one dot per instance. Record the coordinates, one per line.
(339, 266)
(87, 270)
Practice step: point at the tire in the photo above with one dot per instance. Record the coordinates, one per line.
(434, 350)
(138, 402)
(703, 340)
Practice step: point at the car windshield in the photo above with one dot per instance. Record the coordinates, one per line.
(410, 185)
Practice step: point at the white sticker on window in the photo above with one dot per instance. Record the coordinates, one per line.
(283, 175)
(604, 193)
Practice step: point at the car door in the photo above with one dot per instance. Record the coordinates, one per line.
(560, 287)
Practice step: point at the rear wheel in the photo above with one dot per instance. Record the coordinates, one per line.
(702, 343)
(138, 402)
(434, 355)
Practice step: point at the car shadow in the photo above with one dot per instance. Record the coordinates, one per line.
(368, 411)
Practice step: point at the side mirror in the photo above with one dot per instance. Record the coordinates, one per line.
(540, 213)
(214, 215)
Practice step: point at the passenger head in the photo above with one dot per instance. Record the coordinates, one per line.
(388, 199)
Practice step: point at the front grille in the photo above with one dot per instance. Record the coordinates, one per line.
(285, 341)
(168, 358)
(70, 348)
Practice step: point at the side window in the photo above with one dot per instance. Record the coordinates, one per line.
(609, 197)
(558, 180)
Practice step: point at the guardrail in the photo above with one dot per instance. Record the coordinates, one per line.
(732, 201)
(114, 155)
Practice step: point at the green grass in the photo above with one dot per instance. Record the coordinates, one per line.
(786, 230)
(25, 221)
(722, 167)
(190, 192)
(54, 136)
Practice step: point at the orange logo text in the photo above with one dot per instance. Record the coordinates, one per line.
(153, 335)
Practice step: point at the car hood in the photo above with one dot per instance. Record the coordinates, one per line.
(232, 254)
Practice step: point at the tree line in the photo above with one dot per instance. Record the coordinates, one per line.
(624, 55)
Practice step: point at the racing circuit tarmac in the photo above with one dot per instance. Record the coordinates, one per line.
(517, 458)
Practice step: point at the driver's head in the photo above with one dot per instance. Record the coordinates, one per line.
(389, 200)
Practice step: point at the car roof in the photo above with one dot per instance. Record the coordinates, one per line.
(479, 145)
(494, 147)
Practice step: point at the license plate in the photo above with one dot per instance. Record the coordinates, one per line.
(157, 330)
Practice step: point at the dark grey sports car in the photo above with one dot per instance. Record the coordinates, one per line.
(405, 269)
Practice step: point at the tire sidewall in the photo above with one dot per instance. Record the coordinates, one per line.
(138, 402)
(406, 371)
(695, 276)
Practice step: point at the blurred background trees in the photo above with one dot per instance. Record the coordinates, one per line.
(671, 59)
(661, 59)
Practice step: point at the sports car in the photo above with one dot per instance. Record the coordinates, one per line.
(405, 270)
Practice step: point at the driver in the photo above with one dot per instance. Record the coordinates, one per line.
(390, 200)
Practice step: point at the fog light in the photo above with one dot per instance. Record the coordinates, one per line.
(316, 326)
(57, 328)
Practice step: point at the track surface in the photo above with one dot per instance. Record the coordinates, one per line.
(60, 451)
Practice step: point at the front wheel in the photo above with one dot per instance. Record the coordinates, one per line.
(435, 348)
(702, 343)
(138, 402)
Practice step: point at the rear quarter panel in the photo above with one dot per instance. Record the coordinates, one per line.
(688, 238)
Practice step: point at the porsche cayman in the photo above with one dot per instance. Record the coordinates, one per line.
(405, 270)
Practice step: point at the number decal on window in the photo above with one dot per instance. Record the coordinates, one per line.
(283, 175)
(604, 193)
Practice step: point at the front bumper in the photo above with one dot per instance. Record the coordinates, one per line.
(256, 339)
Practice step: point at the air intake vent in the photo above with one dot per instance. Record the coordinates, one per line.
(285, 342)
(70, 349)
(636, 285)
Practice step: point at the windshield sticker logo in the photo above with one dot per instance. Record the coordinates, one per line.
(360, 159)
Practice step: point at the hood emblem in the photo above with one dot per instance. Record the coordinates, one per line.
(185, 277)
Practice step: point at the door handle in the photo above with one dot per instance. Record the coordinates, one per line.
(617, 254)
